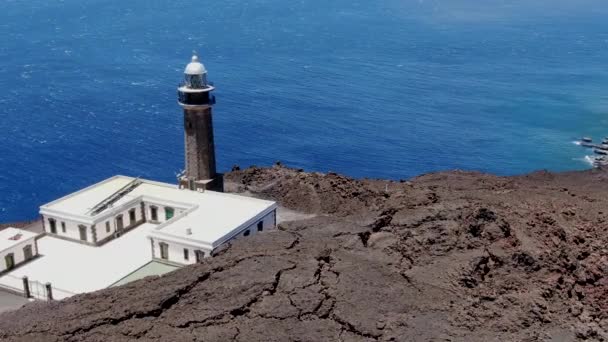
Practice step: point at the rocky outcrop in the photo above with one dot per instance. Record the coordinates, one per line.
(453, 256)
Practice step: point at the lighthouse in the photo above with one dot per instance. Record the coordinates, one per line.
(194, 96)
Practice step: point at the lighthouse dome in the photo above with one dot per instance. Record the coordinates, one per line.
(195, 67)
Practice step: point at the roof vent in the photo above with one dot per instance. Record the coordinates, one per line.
(188, 231)
(16, 237)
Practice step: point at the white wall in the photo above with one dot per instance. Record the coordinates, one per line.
(100, 228)
(73, 230)
(18, 254)
(176, 249)
(71, 227)
(102, 233)
(176, 252)
(269, 223)
(161, 213)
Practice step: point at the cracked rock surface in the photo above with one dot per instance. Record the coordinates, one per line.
(454, 256)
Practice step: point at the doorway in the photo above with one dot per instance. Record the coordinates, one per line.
(53, 225)
(199, 255)
(9, 259)
(169, 212)
(154, 214)
(83, 232)
(132, 217)
(119, 224)
(164, 250)
(27, 252)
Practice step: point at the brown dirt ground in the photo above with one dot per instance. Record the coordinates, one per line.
(453, 256)
(22, 224)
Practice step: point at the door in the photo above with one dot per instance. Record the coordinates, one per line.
(169, 212)
(9, 260)
(119, 223)
(27, 252)
(132, 217)
(83, 232)
(164, 250)
(154, 213)
(53, 225)
(200, 255)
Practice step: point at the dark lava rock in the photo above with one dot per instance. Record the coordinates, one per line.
(453, 256)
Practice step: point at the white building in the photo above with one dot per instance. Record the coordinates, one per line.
(16, 247)
(122, 229)
(191, 224)
(164, 226)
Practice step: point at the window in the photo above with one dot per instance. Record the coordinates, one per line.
(246, 233)
(107, 226)
(200, 255)
(83, 232)
(53, 225)
(164, 250)
(186, 254)
(132, 216)
(260, 226)
(63, 227)
(154, 213)
(169, 212)
(27, 252)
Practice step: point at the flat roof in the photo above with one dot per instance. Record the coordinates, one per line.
(216, 216)
(74, 268)
(80, 202)
(10, 237)
(153, 268)
(209, 215)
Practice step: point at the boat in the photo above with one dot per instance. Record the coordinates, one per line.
(587, 140)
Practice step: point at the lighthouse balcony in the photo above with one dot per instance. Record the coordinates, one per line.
(195, 98)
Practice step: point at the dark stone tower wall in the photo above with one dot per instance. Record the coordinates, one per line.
(200, 149)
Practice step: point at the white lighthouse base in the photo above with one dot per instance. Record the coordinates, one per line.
(214, 184)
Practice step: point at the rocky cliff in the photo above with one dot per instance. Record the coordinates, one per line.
(452, 256)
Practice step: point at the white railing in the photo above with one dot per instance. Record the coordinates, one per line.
(37, 289)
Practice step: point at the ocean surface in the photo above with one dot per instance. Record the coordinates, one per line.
(384, 89)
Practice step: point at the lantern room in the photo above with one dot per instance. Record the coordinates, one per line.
(195, 90)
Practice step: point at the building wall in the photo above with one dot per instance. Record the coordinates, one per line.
(72, 228)
(102, 231)
(161, 212)
(18, 254)
(176, 252)
(176, 249)
(101, 228)
(269, 222)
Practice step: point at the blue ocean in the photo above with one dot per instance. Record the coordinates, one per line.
(384, 89)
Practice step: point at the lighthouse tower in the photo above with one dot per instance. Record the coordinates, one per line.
(194, 95)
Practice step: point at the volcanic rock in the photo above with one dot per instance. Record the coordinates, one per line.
(452, 256)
